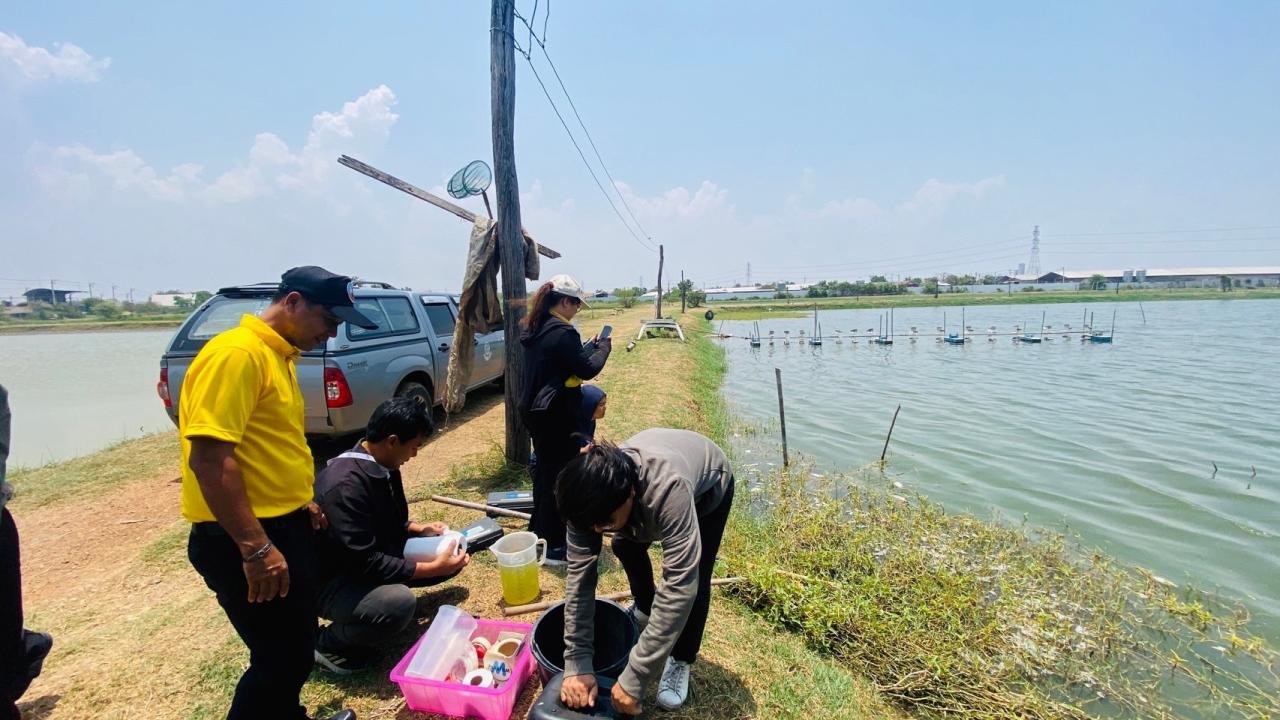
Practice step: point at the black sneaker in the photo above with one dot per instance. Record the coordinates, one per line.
(37, 646)
(557, 556)
(341, 664)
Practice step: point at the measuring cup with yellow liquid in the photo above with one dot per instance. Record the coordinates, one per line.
(518, 560)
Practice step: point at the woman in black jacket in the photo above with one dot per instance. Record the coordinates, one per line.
(555, 364)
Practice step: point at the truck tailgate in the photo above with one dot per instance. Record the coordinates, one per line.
(310, 367)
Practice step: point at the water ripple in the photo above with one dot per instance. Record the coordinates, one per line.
(1117, 443)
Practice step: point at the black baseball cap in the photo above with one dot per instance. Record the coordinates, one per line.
(335, 292)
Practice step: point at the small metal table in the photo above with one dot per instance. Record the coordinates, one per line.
(660, 324)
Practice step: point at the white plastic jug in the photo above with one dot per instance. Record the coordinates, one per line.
(518, 561)
(426, 549)
(447, 638)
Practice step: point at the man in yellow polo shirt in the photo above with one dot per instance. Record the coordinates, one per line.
(247, 479)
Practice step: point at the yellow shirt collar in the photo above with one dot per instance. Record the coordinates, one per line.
(557, 314)
(268, 335)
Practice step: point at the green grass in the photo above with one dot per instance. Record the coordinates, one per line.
(169, 550)
(148, 322)
(100, 472)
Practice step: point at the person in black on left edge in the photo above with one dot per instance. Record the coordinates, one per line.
(22, 652)
(364, 576)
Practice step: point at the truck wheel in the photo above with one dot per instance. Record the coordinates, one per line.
(417, 391)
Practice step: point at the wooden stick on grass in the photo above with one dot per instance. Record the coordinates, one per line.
(540, 606)
(480, 506)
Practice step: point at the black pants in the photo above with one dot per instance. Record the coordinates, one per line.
(635, 562)
(13, 661)
(280, 633)
(365, 616)
(552, 435)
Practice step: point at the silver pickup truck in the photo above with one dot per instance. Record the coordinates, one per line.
(346, 379)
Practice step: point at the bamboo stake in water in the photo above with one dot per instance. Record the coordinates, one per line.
(886, 437)
(782, 418)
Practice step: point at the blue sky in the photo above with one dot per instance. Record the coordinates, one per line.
(156, 145)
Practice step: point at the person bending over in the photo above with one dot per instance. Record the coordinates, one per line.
(661, 485)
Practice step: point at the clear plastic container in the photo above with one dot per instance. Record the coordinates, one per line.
(459, 700)
(426, 549)
(445, 640)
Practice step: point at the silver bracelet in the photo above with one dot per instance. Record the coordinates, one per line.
(259, 553)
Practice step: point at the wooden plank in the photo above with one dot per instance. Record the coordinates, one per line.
(421, 194)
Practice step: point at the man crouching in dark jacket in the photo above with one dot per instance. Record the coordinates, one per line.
(364, 576)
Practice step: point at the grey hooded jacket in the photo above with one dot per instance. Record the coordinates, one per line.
(683, 476)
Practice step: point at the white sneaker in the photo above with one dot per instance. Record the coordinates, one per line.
(673, 689)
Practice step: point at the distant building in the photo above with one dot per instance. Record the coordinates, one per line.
(754, 292)
(1248, 276)
(50, 295)
(170, 299)
(1260, 276)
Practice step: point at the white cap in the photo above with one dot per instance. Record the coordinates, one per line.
(566, 285)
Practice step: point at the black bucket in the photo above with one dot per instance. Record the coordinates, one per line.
(615, 633)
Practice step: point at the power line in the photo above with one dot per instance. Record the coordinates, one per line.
(1163, 232)
(1175, 241)
(647, 243)
(939, 255)
(585, 131)
(582, 155)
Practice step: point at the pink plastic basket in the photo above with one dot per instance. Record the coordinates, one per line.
(458, 700)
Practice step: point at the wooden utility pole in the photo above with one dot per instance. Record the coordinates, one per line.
(658, 316)
(682, 298)
(511, 247)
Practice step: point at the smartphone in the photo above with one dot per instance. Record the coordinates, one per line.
(605, 332)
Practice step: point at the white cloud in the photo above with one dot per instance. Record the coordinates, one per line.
(851, 209)
(32, 63)
(936, 194)
(269, 166)
(708, 199)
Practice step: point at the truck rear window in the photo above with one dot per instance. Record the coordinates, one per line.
(221, 315)
(393, 315)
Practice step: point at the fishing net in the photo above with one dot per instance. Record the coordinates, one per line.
(471, 180)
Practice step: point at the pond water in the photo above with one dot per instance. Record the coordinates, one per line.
(77, 392)
(1117, 443)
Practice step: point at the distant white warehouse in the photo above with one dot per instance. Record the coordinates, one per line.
(1254, 276)
(754, 292)
(746, 292)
